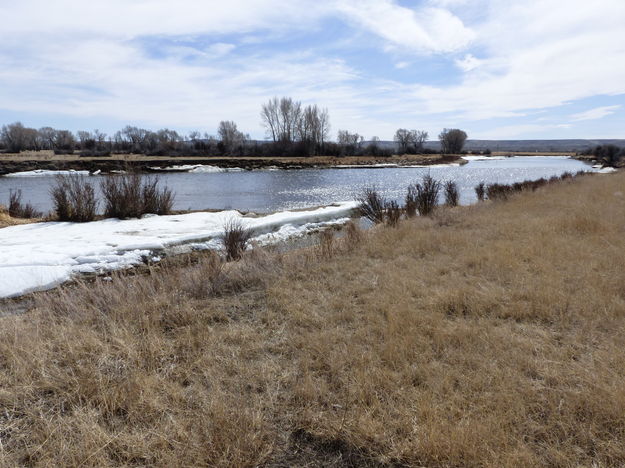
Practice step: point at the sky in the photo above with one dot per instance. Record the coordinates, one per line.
(498, 69)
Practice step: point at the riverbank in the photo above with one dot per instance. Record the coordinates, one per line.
(48, 161)
(491, 335)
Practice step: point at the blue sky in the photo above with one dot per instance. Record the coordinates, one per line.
(499, 69)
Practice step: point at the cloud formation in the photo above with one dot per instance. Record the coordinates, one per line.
(376, 64)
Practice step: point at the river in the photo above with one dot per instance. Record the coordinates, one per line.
(265, 191)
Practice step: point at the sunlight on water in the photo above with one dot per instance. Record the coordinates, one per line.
(268, 191)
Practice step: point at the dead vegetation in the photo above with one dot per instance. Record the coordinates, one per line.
(486, 336)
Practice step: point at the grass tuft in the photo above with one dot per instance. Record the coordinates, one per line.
(235, 239)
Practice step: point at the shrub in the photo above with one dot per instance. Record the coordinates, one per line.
(498, 191)
(19, 210)
(392, 213)
(74, 199)
(236, 238)
(411, 201)
(452, 194)
(372, 205)
(480, 191)
(155, 200)
(427, 195)
(132, 195)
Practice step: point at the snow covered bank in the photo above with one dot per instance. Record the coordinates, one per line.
(44, 173)
(40, 256)
(482, 158)
(197, 168)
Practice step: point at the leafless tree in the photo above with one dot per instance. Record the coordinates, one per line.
(452, 140)
(64, 141)
(15, 137)
(230, 136)
(46, 137)
(345, 138)
(410, 140)
(313, 127)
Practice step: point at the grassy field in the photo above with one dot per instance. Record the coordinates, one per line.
(486, 336)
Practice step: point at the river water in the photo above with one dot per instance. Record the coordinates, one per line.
(264, 191)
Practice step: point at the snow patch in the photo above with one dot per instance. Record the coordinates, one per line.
(197, 169)
(606, 170)
(42, 255)
(482, 158)
(45, 173)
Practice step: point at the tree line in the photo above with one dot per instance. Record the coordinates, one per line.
(291, 129)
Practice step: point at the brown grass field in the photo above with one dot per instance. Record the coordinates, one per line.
(485, 336)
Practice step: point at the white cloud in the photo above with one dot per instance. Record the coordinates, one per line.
(596, 113)
(540, 54)
(468, 62)
(81, 58)
(427, 29)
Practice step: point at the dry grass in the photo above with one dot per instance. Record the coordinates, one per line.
(490, 336)
(7, 220)
(48, 156)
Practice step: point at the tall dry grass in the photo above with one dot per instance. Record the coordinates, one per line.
(486, 336)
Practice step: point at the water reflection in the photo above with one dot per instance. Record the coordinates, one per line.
(268, 191)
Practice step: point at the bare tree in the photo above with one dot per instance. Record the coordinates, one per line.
(271, 118)
(452, 140)
(15, 137)
(46, 137)
(410, 140)
(313, 127)
(64, 141)
(344, 137)
(230, 136)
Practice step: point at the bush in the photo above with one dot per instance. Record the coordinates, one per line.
(236, 238)
(372, 205)
(133, 195)
(452, 194)
(74, 199)
(480, 191)
(426, 195)
(19, 210)
(392, 213)
(411, 201)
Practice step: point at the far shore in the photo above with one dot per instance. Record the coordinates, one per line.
(47, 160)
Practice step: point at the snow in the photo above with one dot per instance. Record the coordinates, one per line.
(42, 255)
(482, 158)
(44, 173)
(197, 168)
(606, 170)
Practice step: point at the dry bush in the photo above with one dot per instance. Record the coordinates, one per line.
(392, 213)
(17, 209)
(74, 199)
(133, 195)
(426, 195)
(452, 193)
(411, 201)
(235, 239)
(480, 191)
(372, 205)
(475, 343)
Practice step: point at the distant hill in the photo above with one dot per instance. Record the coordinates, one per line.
(523, 145)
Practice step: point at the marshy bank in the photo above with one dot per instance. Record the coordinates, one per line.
(488, 335)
